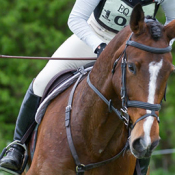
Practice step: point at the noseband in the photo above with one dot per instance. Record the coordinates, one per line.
(126, 103)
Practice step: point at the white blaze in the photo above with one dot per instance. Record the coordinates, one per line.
(154, 69)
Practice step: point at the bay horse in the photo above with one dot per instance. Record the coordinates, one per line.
(115, 106)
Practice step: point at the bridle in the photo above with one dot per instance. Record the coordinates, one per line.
(126, 103)
(122, 113)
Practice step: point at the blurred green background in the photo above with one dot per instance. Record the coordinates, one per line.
(37, 28)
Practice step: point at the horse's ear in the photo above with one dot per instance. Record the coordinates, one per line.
(137, 19)
(170, 30)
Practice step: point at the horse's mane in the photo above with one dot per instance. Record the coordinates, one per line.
(155, 27)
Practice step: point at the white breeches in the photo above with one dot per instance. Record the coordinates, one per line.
(73, 47)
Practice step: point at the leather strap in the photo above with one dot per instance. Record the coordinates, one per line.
(152, 114)
(144, 105)
(28, 133)
(80, 168)
(67, 123)
(148, 48)
(108, 102)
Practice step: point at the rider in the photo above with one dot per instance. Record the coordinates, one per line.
(94, 23)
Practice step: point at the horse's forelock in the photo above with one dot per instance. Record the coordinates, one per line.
(155, 29)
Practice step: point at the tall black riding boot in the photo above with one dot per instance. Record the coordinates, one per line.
(14, 156)
(144, 164)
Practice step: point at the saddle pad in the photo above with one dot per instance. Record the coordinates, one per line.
(53, 91)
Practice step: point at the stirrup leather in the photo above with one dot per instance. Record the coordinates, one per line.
(16, 142)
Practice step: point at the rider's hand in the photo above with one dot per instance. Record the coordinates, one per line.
(100, 48)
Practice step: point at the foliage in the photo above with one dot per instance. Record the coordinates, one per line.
(28, 28)
(161, 172)
(37, 28)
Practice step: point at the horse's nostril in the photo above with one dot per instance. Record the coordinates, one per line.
(154, 145)
(139, 145)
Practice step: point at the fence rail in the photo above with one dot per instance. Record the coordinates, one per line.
(165, 151)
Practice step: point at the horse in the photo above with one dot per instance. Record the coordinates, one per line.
(113, 116)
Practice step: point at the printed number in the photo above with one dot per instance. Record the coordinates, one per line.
(120, 20)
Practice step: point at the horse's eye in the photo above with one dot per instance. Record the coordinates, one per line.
(132, 68)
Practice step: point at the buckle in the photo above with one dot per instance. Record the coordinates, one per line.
(68, 108)
(80, 168)
(125, 115)
(82, 70)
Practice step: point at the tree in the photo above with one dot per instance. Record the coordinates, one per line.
(28, 28)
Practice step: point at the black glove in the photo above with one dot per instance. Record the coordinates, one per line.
(100, 48)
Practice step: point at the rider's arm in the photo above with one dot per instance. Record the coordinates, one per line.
(77, 22)
(168, 7)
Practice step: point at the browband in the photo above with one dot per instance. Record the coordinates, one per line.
(148, 48)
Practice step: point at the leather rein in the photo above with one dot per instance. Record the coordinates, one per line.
(122, 113)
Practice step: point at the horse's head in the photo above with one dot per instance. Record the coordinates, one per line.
(145, 72)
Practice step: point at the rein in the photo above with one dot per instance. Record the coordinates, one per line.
(108, 102)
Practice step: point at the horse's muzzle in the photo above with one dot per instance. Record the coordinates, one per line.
(141, 150)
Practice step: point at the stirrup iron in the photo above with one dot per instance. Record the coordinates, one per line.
(16, 142)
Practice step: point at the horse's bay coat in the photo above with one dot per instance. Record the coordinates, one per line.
(97, 133)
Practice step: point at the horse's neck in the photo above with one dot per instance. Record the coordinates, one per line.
(102, 131)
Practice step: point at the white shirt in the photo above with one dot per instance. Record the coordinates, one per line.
(82, 10)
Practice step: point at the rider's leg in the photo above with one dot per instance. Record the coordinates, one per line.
(73, 47)
(14, 156)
